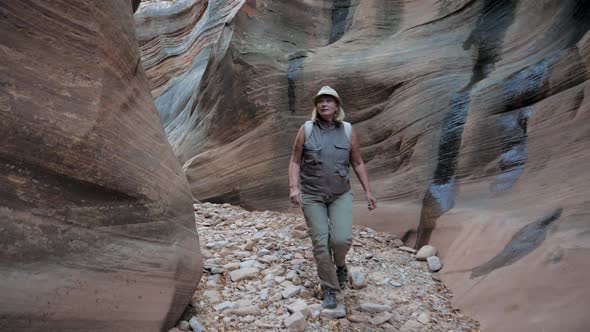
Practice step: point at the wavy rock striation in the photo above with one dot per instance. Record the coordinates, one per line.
(471, 116)
(96, 221)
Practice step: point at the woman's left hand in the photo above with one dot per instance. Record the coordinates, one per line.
(371, 201)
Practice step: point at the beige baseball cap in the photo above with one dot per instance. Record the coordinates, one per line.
(326, 90)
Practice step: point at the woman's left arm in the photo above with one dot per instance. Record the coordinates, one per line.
(359, 168)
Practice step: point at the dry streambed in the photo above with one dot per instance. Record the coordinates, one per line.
(260, 275)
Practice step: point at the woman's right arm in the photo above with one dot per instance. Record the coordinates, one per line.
(294, 168)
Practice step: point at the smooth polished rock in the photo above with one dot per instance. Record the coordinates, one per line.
(434, 263)
(425, 252)
(96, 213)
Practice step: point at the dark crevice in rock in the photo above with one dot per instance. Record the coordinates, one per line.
(135, 4)
(340, 21)
(409, 236)
(579, 100)
(450, 140)
(232, 197)
(295, 64)
(440, 195)
(580, 21)
(487, 38)
(521, 244)
(529, 85)
(522, 90)
(515, 150)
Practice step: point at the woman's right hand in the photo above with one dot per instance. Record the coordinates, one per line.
(295, 196)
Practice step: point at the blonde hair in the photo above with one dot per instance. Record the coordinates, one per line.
(339, 115)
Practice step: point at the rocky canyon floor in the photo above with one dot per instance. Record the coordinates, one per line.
(260, 275)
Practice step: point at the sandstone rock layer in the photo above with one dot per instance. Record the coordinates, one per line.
(472, 117)
(96, 221)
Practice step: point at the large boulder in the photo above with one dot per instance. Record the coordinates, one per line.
(96, 221)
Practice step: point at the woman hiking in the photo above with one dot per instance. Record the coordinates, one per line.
(319, 178)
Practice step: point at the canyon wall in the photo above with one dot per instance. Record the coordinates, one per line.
(471, 116)
(96, 220)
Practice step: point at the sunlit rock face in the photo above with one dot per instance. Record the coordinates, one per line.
(96, 223)
(472, 117)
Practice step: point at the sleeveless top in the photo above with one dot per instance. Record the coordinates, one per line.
(325, 167)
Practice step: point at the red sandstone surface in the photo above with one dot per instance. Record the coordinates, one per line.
(472, 117)
(96, 221)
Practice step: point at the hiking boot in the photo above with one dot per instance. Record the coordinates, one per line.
(329, 300)
(342, 274)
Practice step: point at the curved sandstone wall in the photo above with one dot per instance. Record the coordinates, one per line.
(472, 117)
(96, 220)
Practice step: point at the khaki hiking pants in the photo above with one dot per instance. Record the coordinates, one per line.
(329, 220)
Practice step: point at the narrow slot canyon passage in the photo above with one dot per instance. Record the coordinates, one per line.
(153, 155)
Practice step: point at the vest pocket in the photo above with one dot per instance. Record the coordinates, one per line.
(342, 154)
(312, 166)
(311, 153)
(343, 169)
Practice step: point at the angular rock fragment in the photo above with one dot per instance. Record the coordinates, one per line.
(424, 318)
(244, 274)
(251, 263)
(375, 308)
(381, 318)
(358, 318)
(299, 306)
(407, 249)
(290, 291)
(196, 325)
(297, 234)
(296, 322)
(224, 305)
(338, 312)
(183, 325)
(216, 244)
(231, 266)
(316, 310)
(358, 279)
(245, 311)
(411, 326)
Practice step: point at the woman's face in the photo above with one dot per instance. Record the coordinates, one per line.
(326, 107)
